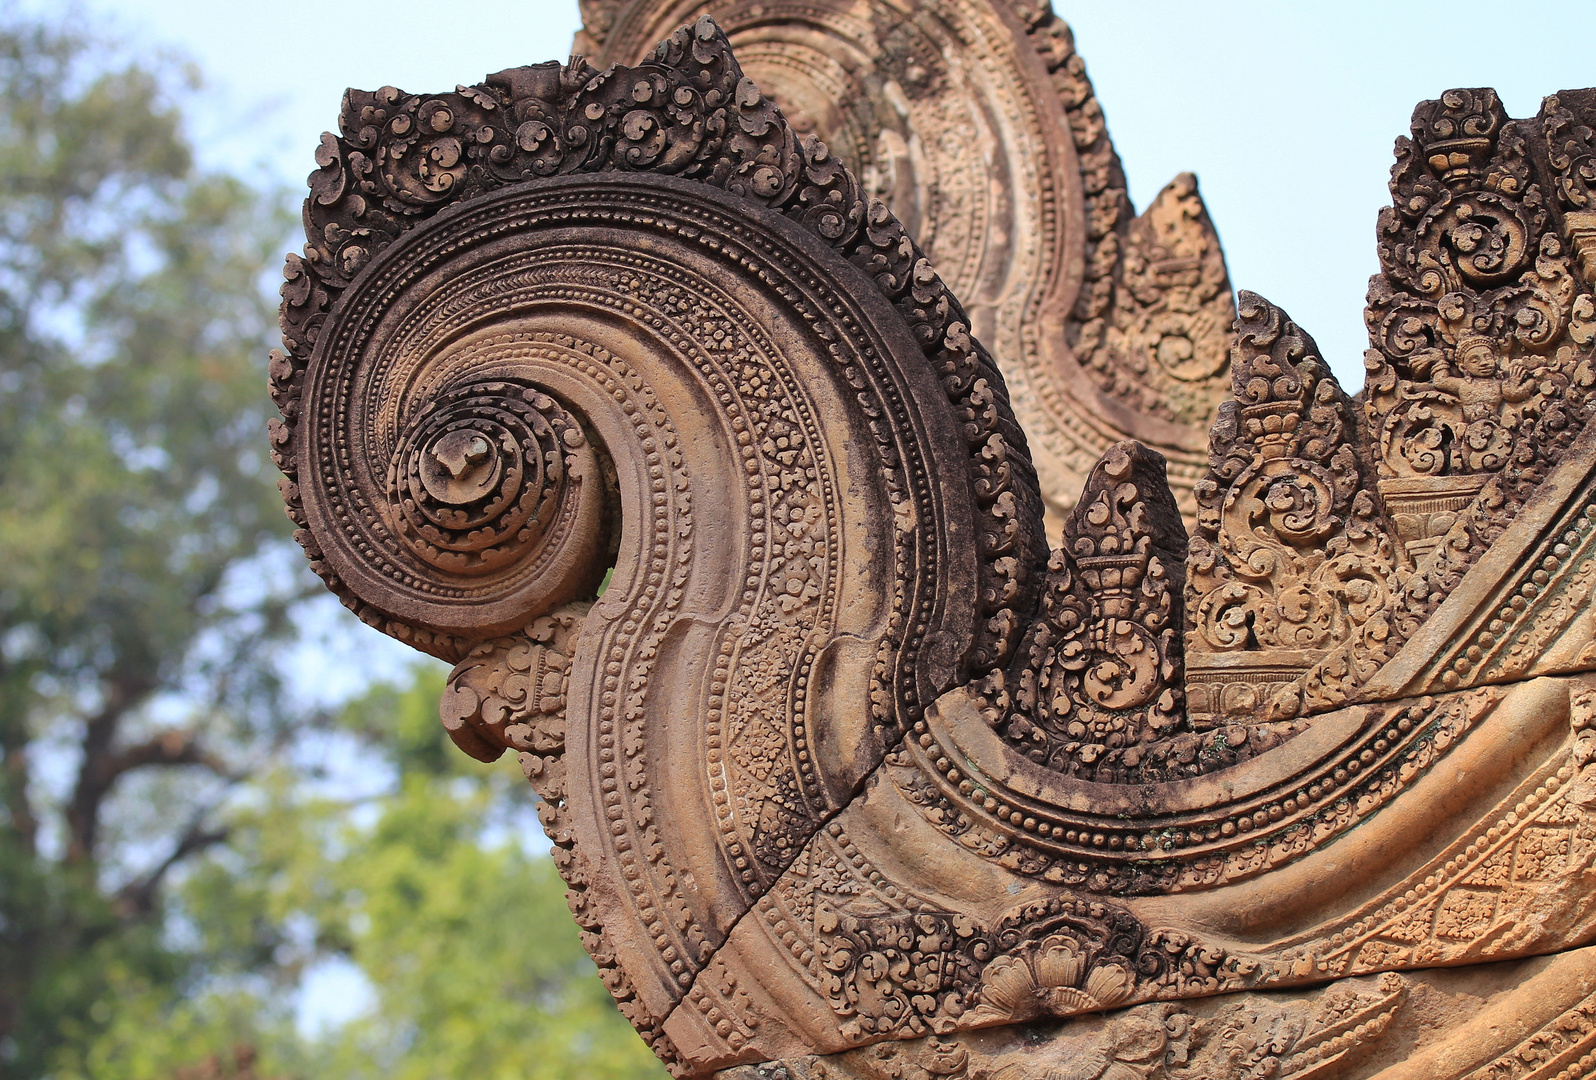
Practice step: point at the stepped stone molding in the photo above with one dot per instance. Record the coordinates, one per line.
(974, 121)
(848, 773)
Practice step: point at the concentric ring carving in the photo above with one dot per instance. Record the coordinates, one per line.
(479, 475)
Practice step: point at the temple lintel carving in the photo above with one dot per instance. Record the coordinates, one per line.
(852, 773)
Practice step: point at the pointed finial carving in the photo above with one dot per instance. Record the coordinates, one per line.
(1098, 679)
(1160, 345)
(1473, 319)
(1292, 557)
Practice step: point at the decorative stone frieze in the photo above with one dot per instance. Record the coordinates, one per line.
(849, 774)
(975, 123)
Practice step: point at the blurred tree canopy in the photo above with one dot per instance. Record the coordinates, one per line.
(180, 843)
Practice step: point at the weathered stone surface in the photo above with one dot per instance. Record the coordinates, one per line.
(849, 775)
(1531, 1018)
(976, 124)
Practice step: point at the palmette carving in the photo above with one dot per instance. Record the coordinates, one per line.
(839, 757)
(890, 962)
(1293, 557)
(1100, 680)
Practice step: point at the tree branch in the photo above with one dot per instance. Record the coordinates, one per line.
(99, 734)
(104, 764)
(137, 898)
(172, 747)
(14, 781)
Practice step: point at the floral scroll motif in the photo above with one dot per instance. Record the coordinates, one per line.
(1474, 321)
(1293, 555)
(510, 692)
(891, 963)
(1098, 683)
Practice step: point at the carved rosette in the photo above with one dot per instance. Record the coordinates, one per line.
(976, 124)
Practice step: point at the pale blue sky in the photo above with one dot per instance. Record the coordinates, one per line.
(1285, 111)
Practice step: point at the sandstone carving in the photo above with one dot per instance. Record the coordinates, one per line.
(849, 772)
(976, 125)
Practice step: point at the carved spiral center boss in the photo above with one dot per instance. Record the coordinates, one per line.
(479, 476)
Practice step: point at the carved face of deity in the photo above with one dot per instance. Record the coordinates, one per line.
(1476, 357)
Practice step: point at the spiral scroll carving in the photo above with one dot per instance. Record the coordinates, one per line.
(480, 476)
(843, 755)
(653, 331)
(977, 125)
(481, 505)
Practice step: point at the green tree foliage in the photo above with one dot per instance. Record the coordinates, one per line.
(424, 881)
(462, 929)
(179, 845)
(134, 498)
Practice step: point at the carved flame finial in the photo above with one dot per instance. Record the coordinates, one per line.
(844, 763)
(1098, 682)
(1291, 559)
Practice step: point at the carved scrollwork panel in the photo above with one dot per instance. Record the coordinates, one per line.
(842, 761)
(977, 125)
(750, 424)
(1294, 558)
(1476, 321)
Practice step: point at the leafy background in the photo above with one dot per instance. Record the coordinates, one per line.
(219, 855)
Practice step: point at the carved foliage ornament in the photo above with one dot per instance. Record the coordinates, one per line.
(840, 755)
(1293, 557)
(1477, 319)
(687, 113)
(1098, 687)
(473, 402)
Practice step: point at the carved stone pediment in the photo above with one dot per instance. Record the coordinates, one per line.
(977, 126)
(848, 772)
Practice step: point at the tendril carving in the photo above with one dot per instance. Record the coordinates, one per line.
(1471, 370)
(1292, 557)
(1098, 687)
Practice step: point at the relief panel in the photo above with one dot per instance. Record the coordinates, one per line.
(850, 772)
